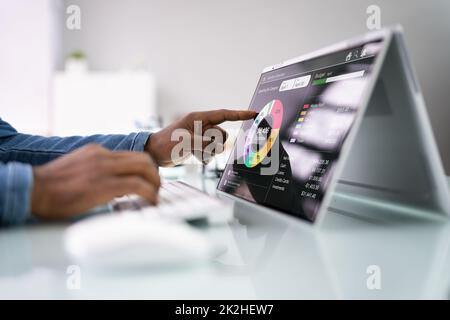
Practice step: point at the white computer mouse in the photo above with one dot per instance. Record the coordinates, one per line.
(130, 239)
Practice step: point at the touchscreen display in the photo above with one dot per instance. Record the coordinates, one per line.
(285, 157)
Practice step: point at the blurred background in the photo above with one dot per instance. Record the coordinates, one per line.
(139, 64)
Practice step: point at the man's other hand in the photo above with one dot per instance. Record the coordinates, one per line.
(160, 144)
(90, 176)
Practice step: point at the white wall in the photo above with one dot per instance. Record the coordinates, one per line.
(208, 54)
(29, 43)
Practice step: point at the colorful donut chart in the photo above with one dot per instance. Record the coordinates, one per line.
(273, 114)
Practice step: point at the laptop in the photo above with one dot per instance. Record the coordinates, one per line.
(341, 129)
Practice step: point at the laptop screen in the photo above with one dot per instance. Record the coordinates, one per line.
(286, 156)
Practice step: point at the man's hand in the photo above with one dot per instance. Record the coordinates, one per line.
(160, 144)
(91, 176)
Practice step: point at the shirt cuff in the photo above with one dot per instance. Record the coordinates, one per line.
(17, 184)
(139, 141)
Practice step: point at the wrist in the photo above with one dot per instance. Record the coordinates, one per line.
(154, 148)
(149, 145)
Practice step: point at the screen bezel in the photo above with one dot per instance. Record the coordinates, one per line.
(384, 35)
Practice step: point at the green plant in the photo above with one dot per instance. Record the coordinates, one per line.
(77, 54)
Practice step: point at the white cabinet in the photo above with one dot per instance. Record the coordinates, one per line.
(103, 102)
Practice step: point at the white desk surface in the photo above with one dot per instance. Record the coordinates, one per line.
(267, 257)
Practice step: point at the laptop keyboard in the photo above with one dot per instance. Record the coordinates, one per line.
(179, 201)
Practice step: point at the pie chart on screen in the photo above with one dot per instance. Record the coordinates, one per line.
(272, 115)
